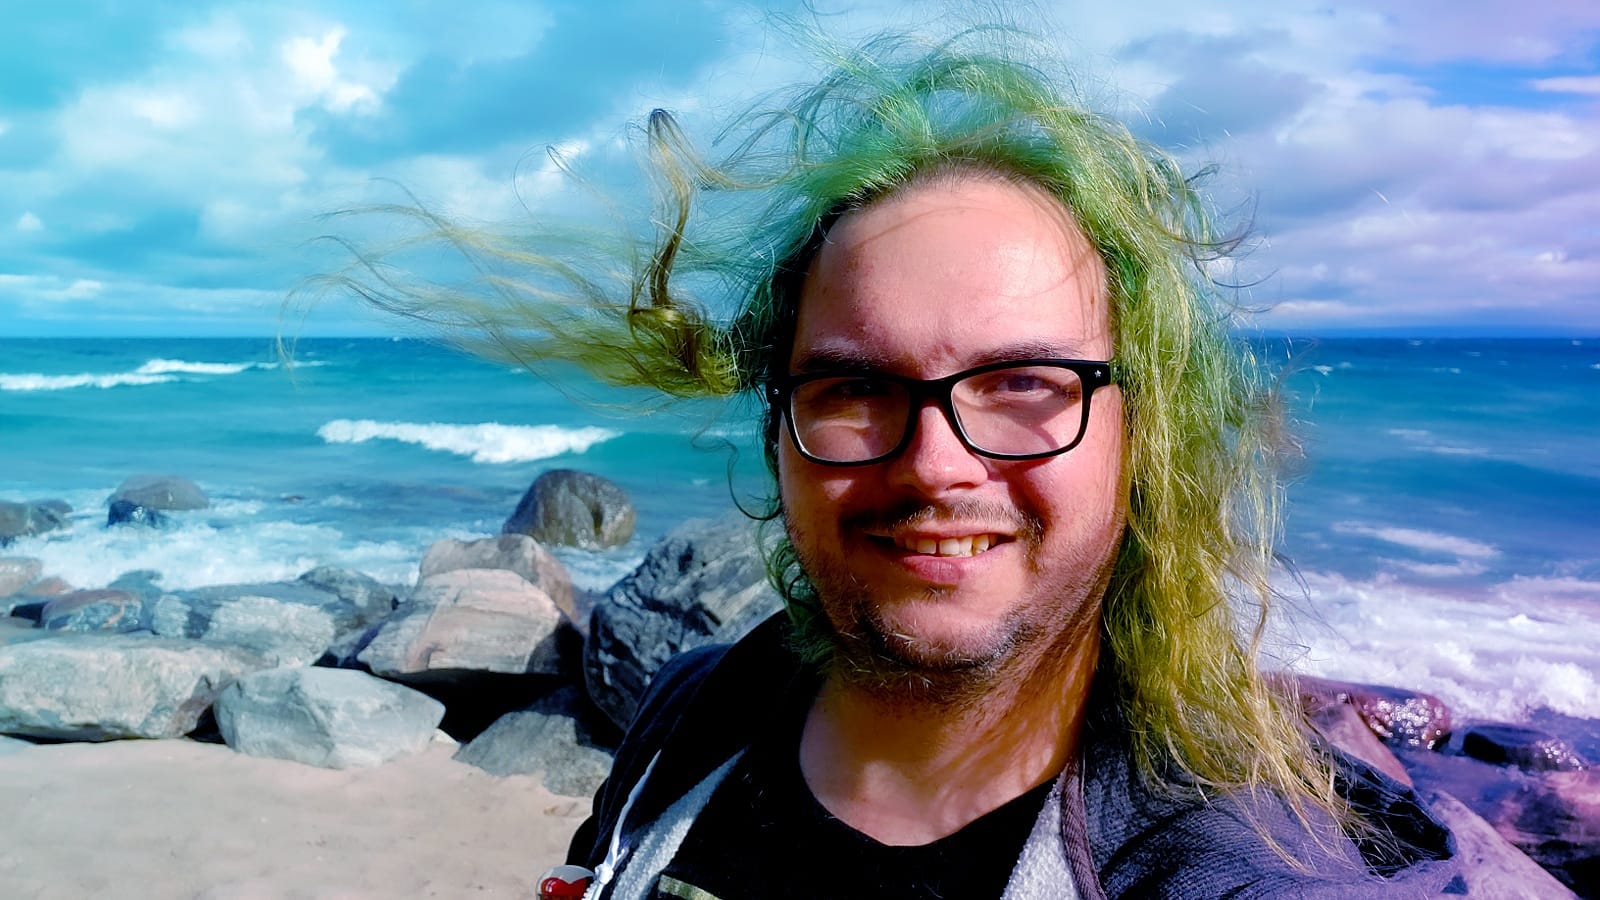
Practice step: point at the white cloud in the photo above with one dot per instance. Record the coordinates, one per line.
(29, 222)
(49, 288)
(311, 63)
(1569, 84)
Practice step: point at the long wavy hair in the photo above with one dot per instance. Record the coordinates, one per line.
(705, 305)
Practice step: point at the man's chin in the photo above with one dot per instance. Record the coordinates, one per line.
(916, 665)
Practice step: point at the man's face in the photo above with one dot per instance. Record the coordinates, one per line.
(938, 278)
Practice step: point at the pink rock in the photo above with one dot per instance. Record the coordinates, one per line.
(513, 552)
(1408, 718)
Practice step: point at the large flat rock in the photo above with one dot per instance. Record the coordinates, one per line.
(97, 687)
(333, 718)
(469, 621)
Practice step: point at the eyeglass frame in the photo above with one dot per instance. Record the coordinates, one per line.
(1094, 374)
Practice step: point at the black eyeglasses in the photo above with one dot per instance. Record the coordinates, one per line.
(1024, 409)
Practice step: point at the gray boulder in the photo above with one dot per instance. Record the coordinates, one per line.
(102, 610)
(28, 519)
(97, 687)
(333, 718)
(1526, 748)
(371, 599)
(161, 492)
(513, 552)
(291, 623)
(142, 582)
(704, 583)
(468, 620)
(127, 512)
(548, 738)
(16, 573)
(574, 509)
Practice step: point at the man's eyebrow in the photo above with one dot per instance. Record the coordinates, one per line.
(839, 359)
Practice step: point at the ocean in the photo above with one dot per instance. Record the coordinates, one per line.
(1442, 525)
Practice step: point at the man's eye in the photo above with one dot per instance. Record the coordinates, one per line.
(1023, 384)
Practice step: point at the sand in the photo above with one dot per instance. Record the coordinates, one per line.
(179, 819)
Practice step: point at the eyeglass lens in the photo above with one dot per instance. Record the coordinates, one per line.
(1015, 411)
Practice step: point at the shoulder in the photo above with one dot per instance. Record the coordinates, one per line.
(1251, 844)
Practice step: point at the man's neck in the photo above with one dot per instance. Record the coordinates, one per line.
(904, 772)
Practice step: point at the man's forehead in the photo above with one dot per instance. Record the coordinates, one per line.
(841, 353)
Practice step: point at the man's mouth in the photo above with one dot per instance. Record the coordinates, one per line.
(966, 545)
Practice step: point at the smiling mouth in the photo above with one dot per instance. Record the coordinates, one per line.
(966, 545)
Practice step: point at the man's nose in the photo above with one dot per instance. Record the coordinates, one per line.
(935, 460)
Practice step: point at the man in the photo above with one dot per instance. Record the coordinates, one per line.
(1025, 480)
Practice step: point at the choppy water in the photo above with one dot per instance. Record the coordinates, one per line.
(1445, 520)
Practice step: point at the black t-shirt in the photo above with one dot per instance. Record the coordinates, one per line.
(764, 836)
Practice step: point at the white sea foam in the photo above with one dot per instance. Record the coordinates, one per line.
(488, 442)
(1486, 659)
(1418, 539)
(155, 371)
(37, 382)
(1324, 370)
(207, 549)
(180, 366)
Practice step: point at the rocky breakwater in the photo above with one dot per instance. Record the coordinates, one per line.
(1523, 803)
(493, 645)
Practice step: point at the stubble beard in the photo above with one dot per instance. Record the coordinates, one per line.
(872, 654)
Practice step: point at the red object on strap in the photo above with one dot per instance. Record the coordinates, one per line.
(565, 883)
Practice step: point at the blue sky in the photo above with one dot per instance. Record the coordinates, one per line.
(1427, 166)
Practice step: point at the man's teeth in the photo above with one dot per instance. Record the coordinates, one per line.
(970, 545)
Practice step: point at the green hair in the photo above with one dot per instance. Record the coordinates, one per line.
(706, 304)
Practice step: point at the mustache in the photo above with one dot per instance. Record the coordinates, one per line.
(913, 515)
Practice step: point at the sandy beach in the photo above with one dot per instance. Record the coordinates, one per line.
(180, 819)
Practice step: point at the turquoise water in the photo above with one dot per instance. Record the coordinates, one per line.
(1443, 522)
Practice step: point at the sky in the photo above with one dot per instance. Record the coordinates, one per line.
(1415, 167)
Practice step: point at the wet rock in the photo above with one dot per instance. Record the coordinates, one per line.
(1340, 725)
(513, 552)
(102, 610)
(49, 586)
(161, 492)
(468, 620)
(127, 512)
(704, 583)
(290, 622)
(1398, 716)
(575, 509)
(14, 629)
(1553, 817)
(19, 520)
(97, 687)
(142, 582)
(333, 718)
(18, 572)
(1526, 748)
(550, 738)
(372, 599)
(1493, 868)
